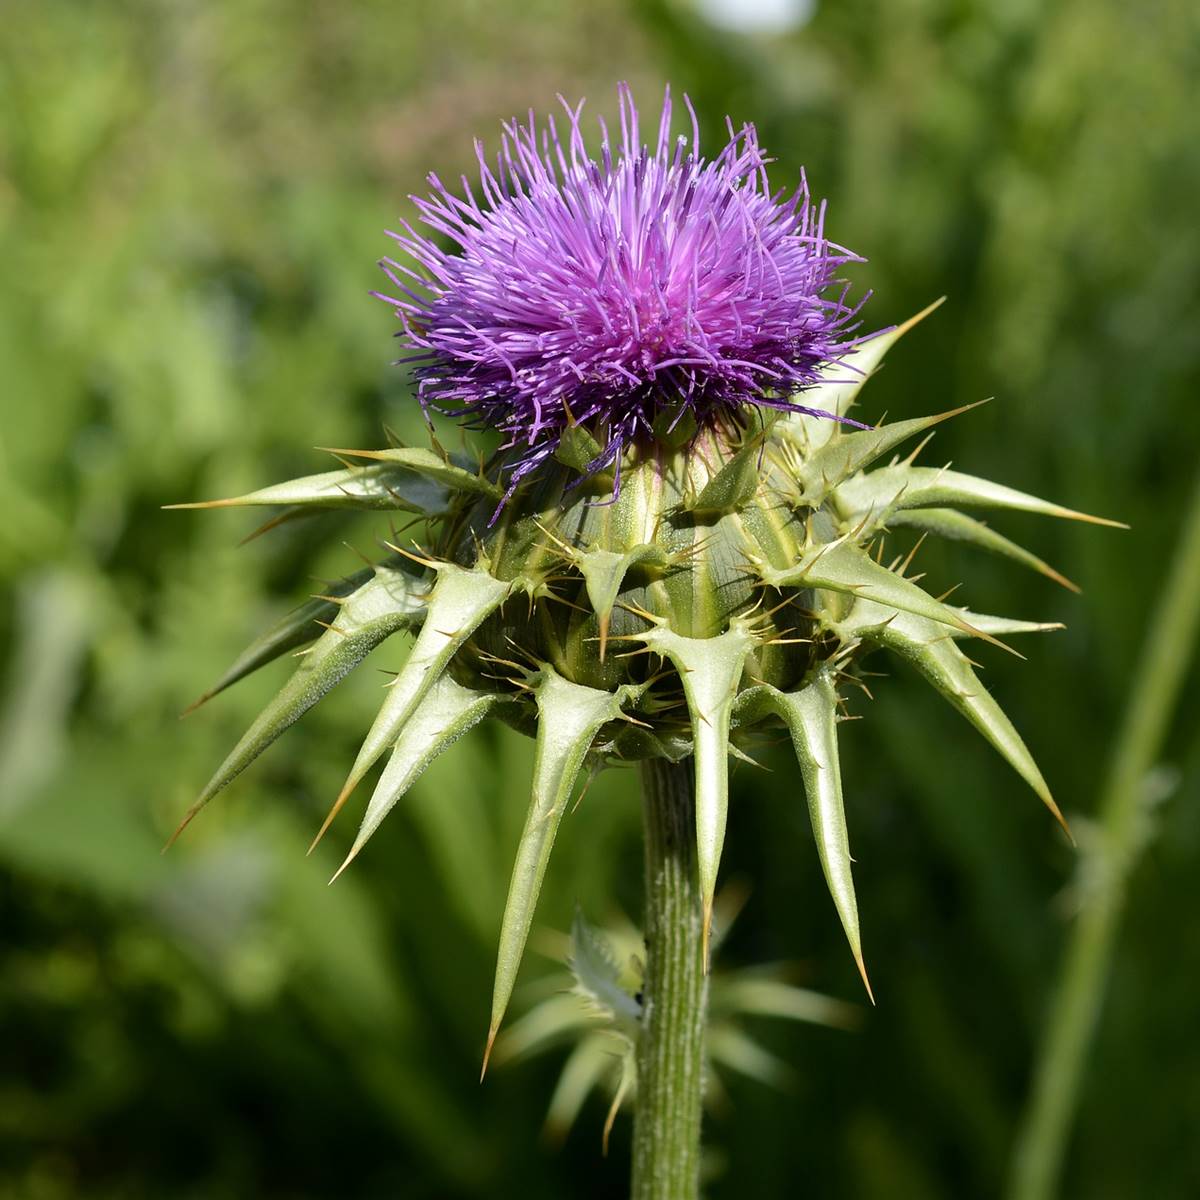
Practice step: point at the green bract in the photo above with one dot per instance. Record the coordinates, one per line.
(725, 591)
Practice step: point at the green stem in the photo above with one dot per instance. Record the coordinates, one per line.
(666, 1135)
(1042, 1139)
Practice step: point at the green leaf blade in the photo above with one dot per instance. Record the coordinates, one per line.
(755, 994)
(733, 485)
(598, 977)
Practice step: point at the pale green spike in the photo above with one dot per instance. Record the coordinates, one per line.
(448, 711)
(933, 652)
(295, 629)
(603, 573)
(950, 523)
(460, 600)
(845, 454)
(425, 462)
(903, 486)
(390, 600)
(842, 381)
(709, 669)
(842, 566)
(386, 487)
(569, 717)
(811, 717)
(1003, 626)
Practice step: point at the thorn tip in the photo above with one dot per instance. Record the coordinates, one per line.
(862, 970)
(487, 1052)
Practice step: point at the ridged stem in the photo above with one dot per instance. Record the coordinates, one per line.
(1042, 1140)
(670, 1060)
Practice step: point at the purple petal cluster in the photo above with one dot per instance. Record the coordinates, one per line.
(605, 292)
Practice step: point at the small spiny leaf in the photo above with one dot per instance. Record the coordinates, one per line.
(385, 487)
(458, 603)
(904, 486)
(845, 454)
(843, 380)
(389, 601)
(927, 646)
(604, 572)
(842, 566)
(295, 629)
(811, 717)
(733, 485)
(448, 711)
(950, 523)
(709, 669)
(569, 717)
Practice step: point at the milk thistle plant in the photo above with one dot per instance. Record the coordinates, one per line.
(675, 551)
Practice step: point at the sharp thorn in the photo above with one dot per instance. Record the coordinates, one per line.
(349, 859)
(227, 503)
(187, 820)
(862, 970)
(487, 1053)
(195, 704)
(336, 808)
(1062, 821)
(265, 527)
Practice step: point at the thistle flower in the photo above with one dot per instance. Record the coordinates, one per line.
(607, 293)
(661, 323)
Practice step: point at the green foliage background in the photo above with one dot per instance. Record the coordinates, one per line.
(192, 198)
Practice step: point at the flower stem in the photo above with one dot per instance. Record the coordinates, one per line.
(1042, 1140)
(666, 1135)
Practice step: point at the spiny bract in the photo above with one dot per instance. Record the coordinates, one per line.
(726, 591)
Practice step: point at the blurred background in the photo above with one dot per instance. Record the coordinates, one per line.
(192, 201)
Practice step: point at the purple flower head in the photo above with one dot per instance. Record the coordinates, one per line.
(607, 292)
